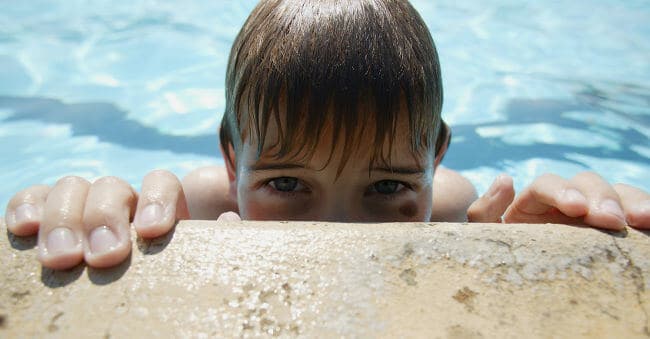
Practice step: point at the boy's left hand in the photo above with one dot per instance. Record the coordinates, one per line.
(586, 199)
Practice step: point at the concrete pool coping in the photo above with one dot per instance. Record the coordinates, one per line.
(209, 279)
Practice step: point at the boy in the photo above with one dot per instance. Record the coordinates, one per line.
(333, 113)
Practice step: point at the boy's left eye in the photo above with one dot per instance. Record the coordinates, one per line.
(387, 186)
(286, 184)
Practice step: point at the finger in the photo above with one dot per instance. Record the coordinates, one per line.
(605, 209)
(549, 198)
(229, 216)
(25, 210)
(60, 234)
(636, 204)
(491, 206)
(161, 203)
(107, 236)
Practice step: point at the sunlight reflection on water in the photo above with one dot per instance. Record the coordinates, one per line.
(122, 87)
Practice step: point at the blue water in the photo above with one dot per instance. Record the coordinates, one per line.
(122, 87)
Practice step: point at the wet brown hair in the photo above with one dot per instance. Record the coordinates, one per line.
(345, 64)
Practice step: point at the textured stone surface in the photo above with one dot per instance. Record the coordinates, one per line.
(251, 279)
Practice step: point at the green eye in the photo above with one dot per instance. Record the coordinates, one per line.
(386, 186)
(284, 184)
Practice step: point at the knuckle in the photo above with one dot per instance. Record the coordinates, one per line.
(110, 190)
(99, 214)
(160, 173)
(164, 179)
(29, 195)
(110, 181)
(623, 186)
(587, 175)
(546, 177)
(22, 196)
(72, 180)
(103, 209)
(113, 185)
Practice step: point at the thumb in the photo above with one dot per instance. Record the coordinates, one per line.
(493, 204)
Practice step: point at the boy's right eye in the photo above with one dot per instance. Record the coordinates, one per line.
(286, 184)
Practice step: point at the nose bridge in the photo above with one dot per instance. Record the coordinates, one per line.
(337, 206)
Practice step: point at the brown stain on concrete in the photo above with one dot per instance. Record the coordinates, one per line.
(409, 275)
(461, 332)
(17, 296)
(52, 327)
(466, 297)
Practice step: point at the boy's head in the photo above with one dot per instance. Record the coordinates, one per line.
(327, 85)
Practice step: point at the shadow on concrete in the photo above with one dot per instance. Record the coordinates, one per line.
(59, 278)
(108, 123)
(22, 243)
(625, 232)
(645, 232)
(105, 276)
(156, 245)
(617, 234)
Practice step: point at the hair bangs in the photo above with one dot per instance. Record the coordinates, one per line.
(345, 67)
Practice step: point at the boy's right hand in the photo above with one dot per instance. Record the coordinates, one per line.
(81, 221)
(586, 199)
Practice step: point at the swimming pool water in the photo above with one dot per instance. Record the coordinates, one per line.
(122, 87)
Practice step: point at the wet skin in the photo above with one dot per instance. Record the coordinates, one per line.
(268, 188)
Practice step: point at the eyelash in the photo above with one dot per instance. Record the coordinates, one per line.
(272, 190)
(267, 185)
(390, 196)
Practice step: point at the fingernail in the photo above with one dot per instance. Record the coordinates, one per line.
(151, 214)
(102, 240)
(573, 195)
(612, 207)
(24, 212)
(60, 240)
(229, 216)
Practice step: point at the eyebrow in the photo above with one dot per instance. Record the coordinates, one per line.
(276, 166)
(399, 170)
